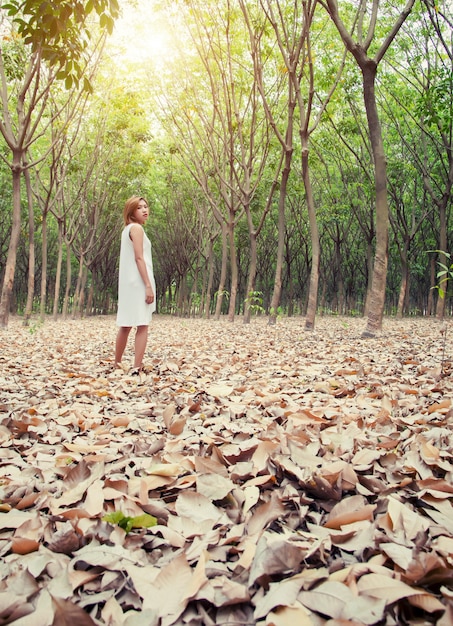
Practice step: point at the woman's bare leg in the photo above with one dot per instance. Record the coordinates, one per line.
(121, 342)
(141, 339)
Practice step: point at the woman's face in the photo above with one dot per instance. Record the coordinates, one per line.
(141, 212)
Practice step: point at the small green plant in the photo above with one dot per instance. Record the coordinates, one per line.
(444, 276)
(255, 302)
(222, 292)
(127, 523)
(445, 273)
(34, 327)
(276, 313)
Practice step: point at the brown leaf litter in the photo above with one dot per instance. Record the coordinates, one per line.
(296, 477)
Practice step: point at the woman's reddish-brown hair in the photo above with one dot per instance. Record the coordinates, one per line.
(130, 207)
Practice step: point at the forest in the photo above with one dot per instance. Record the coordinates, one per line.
(297, 156)
(293, 468)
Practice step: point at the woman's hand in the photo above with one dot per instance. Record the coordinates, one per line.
(149, 295)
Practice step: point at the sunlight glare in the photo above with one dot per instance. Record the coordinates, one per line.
(143, 35)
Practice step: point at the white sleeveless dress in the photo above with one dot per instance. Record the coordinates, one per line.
(132, 308)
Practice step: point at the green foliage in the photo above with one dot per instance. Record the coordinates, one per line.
(277, 313)
(435, 104)
(143, 131)
(60, 31)
(127, 523)
(255, 301)
(445, 274)
(34, 327)
(224, 293)
(14, 56)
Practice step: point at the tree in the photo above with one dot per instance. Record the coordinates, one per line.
(293, 37)
(438, 117)
(50, 43)
(366, 19)
(261, 55)
(215, 118)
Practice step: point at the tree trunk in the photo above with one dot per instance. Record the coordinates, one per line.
(58, 272)
(234, 270)
(404, 283)
(368, 68)
(223, 273)
(252, 275)
(290, 299)
(90, 300)
(369, 287)
(276, 295)
(432, 276)
(68, 281)
(10, 267)
(192, 303)
(75, 303)
(379, 279)
(83, 283)
(339, 275)
(42, 311)
(210, 264)
(440, 308)
(314, 234)
(31, 248)
(180, 295)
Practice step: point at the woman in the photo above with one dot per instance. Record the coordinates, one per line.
(136, 285)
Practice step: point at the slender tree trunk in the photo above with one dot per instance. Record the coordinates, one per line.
(314, 234)
(369, 286)
(234, 270)
(10, 267)
(210, 268)
(377, 295)
(290, 294)
(31, 248)
(277, 293)
(82, 299)
(322, 298)
(44, 266)
(90, 299)
(341, 305)
(368, 68)
(251, 282)
(223, 272)
(68, 281)
(192, 311)
(440, 308)
(183, 299)
(75, 303)
(432, 273)
(83, 283)
(58, 272)
(204, 277)
(404, 283)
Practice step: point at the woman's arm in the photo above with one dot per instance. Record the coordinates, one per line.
(137, 236)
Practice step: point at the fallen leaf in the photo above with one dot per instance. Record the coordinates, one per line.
(284, 476)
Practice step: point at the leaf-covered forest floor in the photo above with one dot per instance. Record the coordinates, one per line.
(295, 477)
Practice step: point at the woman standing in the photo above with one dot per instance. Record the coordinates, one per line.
(136, 285)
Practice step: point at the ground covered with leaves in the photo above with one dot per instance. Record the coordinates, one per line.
(251, 475)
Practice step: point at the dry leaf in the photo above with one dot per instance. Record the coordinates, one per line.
(301, 477)
(348, 511)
